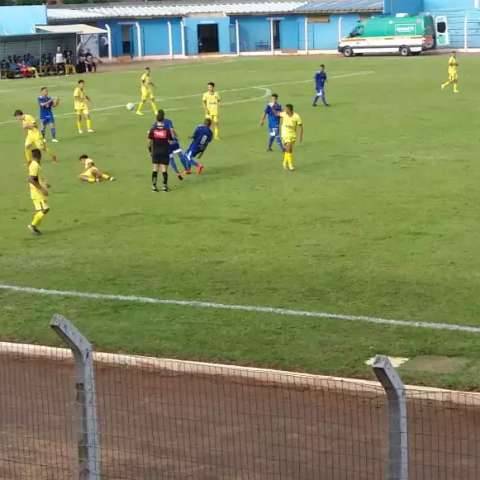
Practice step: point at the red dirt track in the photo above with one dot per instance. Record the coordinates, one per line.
(168, 425)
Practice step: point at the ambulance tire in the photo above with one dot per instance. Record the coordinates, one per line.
(404, 51)
(348, 52)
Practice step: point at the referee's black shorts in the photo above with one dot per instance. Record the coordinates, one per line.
(160, 158)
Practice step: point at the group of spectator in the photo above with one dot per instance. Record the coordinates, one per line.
(60, 63)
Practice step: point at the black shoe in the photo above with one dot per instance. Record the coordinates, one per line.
(180, 177)
(328, 105)
(269, 150)
(165, 188)
(314, 104)
(154, 188)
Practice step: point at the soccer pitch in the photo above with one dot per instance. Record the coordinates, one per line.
(380, 219)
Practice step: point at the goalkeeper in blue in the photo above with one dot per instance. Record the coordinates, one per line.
(320, 81)
(272, 111)
(201, 138)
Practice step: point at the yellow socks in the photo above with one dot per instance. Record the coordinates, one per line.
(216, 133)
(37, 218)
(105, 176)
(288, 160)
(140, 107)
(79, 125)
(89, 124)
(154, 108)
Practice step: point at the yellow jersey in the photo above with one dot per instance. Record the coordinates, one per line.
(290, 123)
(452, 63)
(211, 100)
(145, 80)
(79, 98)
(35, 170)
(29, 122)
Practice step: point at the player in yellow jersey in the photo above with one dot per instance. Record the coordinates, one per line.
(91, 173)
(38, 191)
(211, 102)
(146, 92)
(452, 73)
(291, 126)
(34, 138)
(81, 105)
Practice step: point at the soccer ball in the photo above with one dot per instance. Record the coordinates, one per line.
(130, 106)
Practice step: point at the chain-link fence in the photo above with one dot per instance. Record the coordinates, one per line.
(168, 419)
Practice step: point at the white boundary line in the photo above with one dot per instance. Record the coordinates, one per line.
(243, 308)
(196, 95)
(264, 375)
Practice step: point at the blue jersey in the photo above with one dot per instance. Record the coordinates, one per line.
(273, 120)
(320, 79)
(202, 136)
(45, 111)
(174, 144)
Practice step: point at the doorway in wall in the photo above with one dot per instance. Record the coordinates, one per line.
(127, 40)
(208, 38)
(276, 34)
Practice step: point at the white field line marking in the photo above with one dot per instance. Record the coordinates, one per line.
(244, 308)
(269, 376)
(197, 95)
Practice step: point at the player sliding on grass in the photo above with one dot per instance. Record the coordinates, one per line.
(92, 174)
(201, 138)
(273, 122)
(291, 125)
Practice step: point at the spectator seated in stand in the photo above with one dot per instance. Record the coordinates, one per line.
(90, 62)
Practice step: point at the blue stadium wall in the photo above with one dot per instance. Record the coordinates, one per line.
(154, 33)
(21, 20)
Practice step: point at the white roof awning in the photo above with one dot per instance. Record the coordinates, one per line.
(79, 28)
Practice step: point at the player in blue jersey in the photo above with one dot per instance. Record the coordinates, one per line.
(273, 122)
(201, 137)
(175, 149)
(46, 105)
(320, 81)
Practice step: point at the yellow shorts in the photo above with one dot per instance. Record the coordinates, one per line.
(453, 76)
(40, 204)
(147, 94)
(288, 139)
(213, 117)
(82, 110)
(90, 174)
(35, 140)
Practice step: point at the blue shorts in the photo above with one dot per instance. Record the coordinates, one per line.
(274, 131)
(174, 148)
(320, 91)
(47, 119)
(193, 151)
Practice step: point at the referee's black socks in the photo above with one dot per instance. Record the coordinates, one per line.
(154, 178)
(165, 177)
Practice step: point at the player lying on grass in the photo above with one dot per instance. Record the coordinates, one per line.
(34, 139)
(92, 174)
(38, 191)
(201, 138)
(46, 105)
(273, 122)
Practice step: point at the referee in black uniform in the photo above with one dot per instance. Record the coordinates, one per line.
(159, 140)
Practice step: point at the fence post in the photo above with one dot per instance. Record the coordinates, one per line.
(397, 415)
(88, 445)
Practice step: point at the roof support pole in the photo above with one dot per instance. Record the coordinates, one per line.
(139, 40)
(170, 39)
(109, 40)
(306, 36)
(237, 36)
(272, 48)
(182, 36)
(340, 34)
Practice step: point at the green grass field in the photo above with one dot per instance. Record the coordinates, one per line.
(381, 218)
